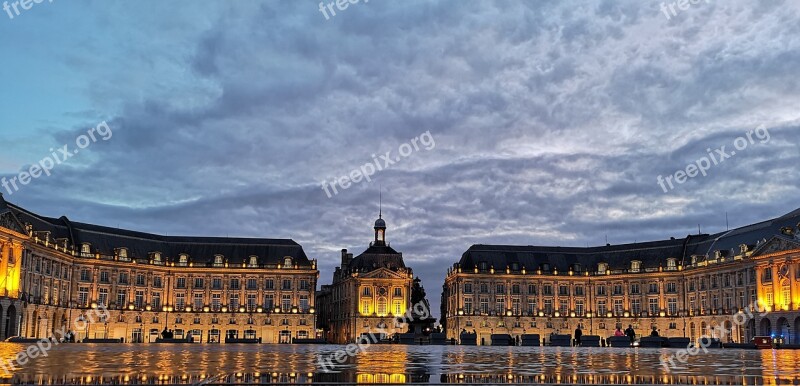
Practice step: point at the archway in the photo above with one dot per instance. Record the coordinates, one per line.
(11, 321)
(796, 335)
(751, 329)
(782, 328)
(765, 327)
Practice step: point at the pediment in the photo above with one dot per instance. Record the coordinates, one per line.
(9, 221)
(776, 244)
(383, 273)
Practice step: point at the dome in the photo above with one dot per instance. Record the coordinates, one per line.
(379, 223)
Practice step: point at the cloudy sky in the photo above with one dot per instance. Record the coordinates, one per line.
(551, 120)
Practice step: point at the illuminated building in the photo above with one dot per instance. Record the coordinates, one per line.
(368, 292)
(683, 287)
(55, 271)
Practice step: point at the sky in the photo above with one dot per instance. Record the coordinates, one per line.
(506, 122)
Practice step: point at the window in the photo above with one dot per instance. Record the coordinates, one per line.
(180, 302)
(86, 250)
(484, 305)
(104, 277)
(653, 288)
(218, 260)
(234, 283)
(548, 306)
(672, 288)
(601, 290)
(618, 307)
(157, 282)
(287, 285)
(139, 299)
(672, 264)
(602, 267)
(636, 306)
(398, 292)
(579, 307)
(484, 288)
(653, 306)
(157, 257)
(635, 289)
(198, 283)
(287, 262)
(252, 284)
(532, 306)
(531, 289)
(123, 253)
(102, 297)
(253, 261)
(183, 260)
(140, 280)
(467, 288)
(180, 283)
(578, 290)
(500, 289)
(636, 266)
(269, 284)
(468, 306)
(500, 306)
(216, 283)
(548, 290)
(86, 275)
(366, 291)
(563, 307)
(286, 303)
(233, 302)
(123, 278)
(602, 309)
(156, 300)
(563, 290)
(305, 305)
(767, 278)
(269, 302)
(515, 289)
(617, 289)
(304, 285)
(122, 297)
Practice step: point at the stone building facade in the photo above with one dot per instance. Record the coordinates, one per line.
(368, 293)
(55, 272)
(681, 287)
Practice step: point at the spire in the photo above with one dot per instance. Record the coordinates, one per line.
(380, 201)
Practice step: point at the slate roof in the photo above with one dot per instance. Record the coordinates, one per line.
(201, 250)
(652, 254)
(377, 256)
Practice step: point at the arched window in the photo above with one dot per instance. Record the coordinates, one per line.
(253, 261)
(183, 259)
(218, 260)
(602, 267)
(636, 265)
(382, 305)
(287, 262)
(86, 249)
(123, 253)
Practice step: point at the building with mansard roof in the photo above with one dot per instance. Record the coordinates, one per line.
(368, 294)
(211, 288)
(681, 287)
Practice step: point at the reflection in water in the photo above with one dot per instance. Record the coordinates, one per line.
(394, 364)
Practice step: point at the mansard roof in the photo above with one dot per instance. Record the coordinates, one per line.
(377, 256)
(651, 254)
(201, 250)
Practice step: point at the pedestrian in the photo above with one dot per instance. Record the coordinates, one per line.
(578, 335)
(630, 333)
(619, 332)
(654, 333)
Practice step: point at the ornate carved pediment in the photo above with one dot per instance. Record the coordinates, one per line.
(9, 221)
(382, 273)
(776, 244)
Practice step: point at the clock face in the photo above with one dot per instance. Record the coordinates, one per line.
(382, 291)
(783, 270)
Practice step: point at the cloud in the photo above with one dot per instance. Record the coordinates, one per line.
(552, 122)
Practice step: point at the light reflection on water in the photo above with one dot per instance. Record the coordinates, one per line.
(154, 363)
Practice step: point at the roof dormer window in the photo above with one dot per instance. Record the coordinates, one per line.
(253, 261)
(672, 263)
(218, 260)
(602, 267)
(287, 262)
(156, 257)
(86, 250)
(636, 266)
